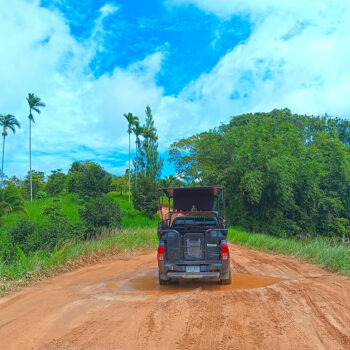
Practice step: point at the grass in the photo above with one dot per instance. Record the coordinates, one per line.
(69, 204)
(133, 218)
(318, 250)
(39, 264)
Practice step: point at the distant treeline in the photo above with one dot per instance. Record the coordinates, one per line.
(284, 173)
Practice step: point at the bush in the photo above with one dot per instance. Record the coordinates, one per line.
(56, 182)
(7, 251)
(145, 196)
(38, 184)
(56, 230)
(19, 233)
(101, 213)
(41, 195)
(88, 179)
(54, 233)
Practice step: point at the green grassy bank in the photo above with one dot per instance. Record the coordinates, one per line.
(132, 218)
(319, 250)
(69, 203)
(40, 264)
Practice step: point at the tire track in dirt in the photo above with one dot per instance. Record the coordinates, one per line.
(98, 307)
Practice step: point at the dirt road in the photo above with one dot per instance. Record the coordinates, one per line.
(275, 302)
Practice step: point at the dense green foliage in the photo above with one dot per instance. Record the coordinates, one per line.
(38, 184)
(145, 195)
(10, 201)
(131, 217)
(51, 223)
(56, 182)
(284, 174)
(101, 213)
(88, 179)
(56, 231)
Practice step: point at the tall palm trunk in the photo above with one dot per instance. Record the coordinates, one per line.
(129, 166)
(2, 163)
(30, 157)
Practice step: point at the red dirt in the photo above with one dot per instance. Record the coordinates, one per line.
(119, 305)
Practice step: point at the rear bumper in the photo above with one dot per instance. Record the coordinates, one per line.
(169, 270)
(171, 274)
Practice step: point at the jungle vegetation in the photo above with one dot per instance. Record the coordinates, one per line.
(284, 174)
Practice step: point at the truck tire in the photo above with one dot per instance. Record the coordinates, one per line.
(163, 282)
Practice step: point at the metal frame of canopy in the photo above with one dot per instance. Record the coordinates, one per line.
(183, 197)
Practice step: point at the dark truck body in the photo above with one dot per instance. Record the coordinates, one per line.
(192, 236)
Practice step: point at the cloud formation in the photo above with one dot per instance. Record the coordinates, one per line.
(84, 115)
(297, 56)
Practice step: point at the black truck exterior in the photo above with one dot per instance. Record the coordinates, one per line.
(192, 234)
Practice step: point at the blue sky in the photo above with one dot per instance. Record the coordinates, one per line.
(193, 41)
(195, 62)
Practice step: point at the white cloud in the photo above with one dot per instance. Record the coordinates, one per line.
(261, 8)
(84, 114)
(297, 56)
(107, 10)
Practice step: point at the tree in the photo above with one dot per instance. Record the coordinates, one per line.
(15, 181)
(132, 120)
(56, 182)
(88, 179)
(145, 195)
(35, 104)
(285, 174)
(54, 232)
(183, 154)
(38, 184)
(149, 160)
(7, 122)
(10, 201)
(150, 166)
(99, 214)
(120, 183)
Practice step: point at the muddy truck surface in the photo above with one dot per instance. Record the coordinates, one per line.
(192, 234)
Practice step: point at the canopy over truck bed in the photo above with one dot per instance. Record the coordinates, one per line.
(193, 199)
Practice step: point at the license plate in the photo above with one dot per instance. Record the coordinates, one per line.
(192, 269)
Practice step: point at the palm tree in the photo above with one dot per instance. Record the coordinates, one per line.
(132, 120)
(7, 122)
(34, 104)
(10, 201)
(138, 130)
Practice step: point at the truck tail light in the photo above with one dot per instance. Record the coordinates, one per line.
(225, 255)
(160, 255)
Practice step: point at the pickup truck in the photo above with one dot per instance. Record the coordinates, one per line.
(192, 234)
